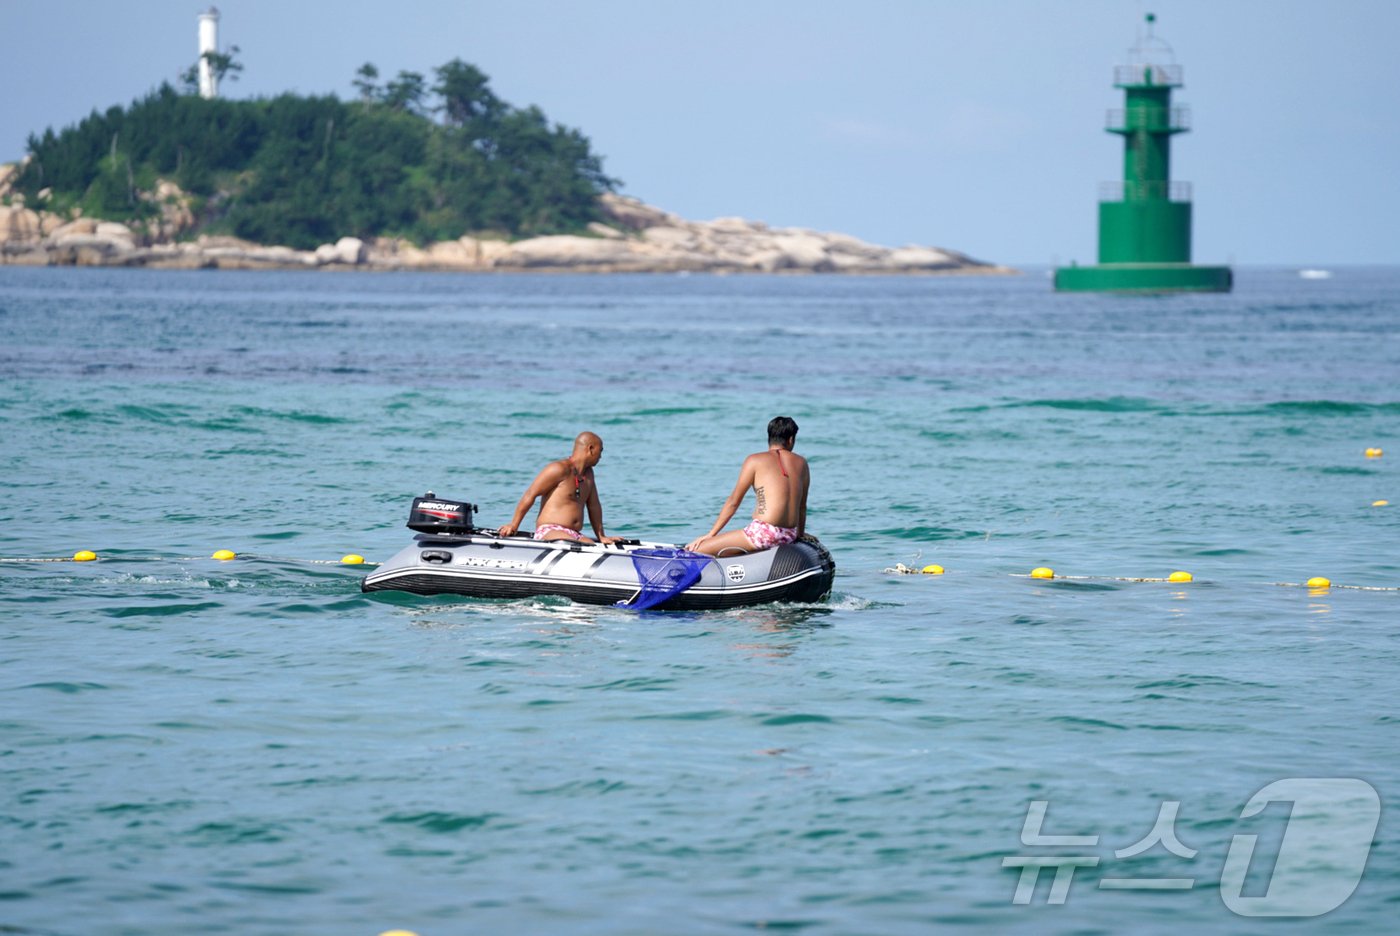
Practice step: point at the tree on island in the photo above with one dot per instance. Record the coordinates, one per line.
(301, 171)
(365, 82)
(221, 64)
(466, 94)
(406, 92)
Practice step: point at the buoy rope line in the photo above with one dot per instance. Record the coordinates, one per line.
(1176, 578)
(85, 556)
(1100, 578)
(1380, 588)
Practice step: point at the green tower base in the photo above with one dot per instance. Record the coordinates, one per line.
(1144, 278)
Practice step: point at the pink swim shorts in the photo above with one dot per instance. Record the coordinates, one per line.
(544, 529)
(763, 535)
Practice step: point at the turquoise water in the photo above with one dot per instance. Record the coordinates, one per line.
(255, 747)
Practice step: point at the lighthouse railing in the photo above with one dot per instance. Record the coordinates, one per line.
(1147, 75)
(1173, 119)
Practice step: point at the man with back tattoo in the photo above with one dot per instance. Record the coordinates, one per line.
(779, 479)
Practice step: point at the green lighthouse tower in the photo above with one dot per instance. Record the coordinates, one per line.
(1145, 220)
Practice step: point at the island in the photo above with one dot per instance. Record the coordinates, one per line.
(410, 176)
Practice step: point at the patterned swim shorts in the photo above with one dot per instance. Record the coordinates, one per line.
(544, 529)
(763, 535)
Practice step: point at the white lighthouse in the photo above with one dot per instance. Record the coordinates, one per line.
(208, 42)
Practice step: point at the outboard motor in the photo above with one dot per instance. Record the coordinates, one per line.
(430, 514)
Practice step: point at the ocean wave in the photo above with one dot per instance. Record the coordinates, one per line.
(1305, 409)
(442, 822)
(296, 416)
(175, 609)
(67, 688)
(671, 410)
(923, 533)
(1314, 408)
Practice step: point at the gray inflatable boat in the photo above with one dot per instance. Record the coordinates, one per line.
(452, 556)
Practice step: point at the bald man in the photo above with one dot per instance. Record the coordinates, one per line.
(566, 486)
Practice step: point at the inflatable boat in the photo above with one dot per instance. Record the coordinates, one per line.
(450, 555)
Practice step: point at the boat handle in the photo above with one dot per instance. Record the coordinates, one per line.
(438, 556)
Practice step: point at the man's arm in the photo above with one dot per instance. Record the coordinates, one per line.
(595, 514)
(802, 508)
(549, 477)
(731, 504)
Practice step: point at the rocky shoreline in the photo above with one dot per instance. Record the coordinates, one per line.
(636, 238)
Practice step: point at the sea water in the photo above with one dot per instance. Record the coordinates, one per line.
(253, 746)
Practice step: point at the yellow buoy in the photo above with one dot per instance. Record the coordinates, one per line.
(84, 555)
(1180, 577)
(932, 570)
(1043, 573)
(1318, 581)
(1380, 503)
(398, 933)
(352, 559)
(1374, 452)
(224, 555)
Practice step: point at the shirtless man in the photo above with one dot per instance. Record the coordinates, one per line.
(566, 486)
(779, 480)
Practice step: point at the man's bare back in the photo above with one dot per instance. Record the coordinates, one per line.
(780, 479)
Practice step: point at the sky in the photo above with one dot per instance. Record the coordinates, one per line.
(975, 125)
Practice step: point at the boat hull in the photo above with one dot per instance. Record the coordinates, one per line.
(487, 566)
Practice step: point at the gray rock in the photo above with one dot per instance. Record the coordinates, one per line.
(636, 238)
